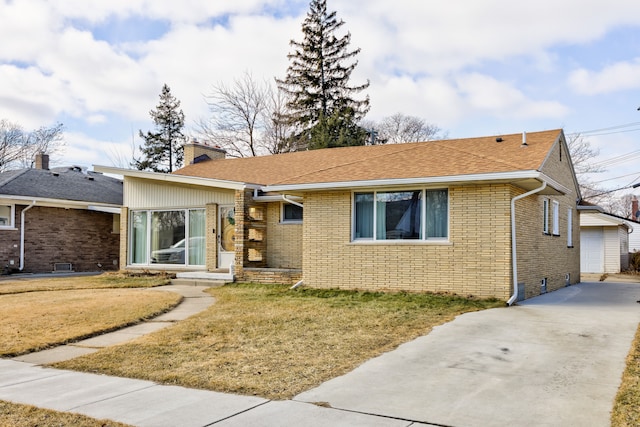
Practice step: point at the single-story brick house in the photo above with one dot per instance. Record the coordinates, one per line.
(63, 219)
(470, 216)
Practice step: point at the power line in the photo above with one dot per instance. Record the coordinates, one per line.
(610, 128)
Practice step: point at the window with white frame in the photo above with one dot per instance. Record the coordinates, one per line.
(545, 216)
(290, 213)
(570, 227)
(6, 216)
(167, 237)
(401, 215)
(556, 218)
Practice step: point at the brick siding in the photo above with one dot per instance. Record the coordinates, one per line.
(54, 235)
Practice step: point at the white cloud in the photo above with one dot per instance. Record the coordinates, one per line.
(490, 96)
(619, 76)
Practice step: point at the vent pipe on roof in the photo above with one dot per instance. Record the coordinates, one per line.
(524, 138)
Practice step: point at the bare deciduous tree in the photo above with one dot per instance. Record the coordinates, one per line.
(19, 147)
(246, 118)
(400, 128)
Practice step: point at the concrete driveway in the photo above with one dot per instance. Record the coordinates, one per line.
(553, 360)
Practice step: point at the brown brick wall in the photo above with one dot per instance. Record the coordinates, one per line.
(82, 238)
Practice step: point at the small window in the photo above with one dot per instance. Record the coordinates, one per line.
(556, 218)
(570, 228)
(291, 213)
(545, 216)
(6, 216)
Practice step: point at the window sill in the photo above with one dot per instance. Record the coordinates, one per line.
(290, 223)
(8, 229)
(400, 242)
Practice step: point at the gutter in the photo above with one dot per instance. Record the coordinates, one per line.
(514, 251)
(33, 203)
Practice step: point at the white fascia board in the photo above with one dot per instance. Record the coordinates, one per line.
(59, 203)
(181, 179)
(452, 179)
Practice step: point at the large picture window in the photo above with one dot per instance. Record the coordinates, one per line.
(168, 237)
(404, 215)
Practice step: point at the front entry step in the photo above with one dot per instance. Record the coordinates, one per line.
(212, 283)
(204, 278)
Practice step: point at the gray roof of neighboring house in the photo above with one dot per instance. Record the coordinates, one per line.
(65, 183)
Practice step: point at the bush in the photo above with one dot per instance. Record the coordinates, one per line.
(634, 261)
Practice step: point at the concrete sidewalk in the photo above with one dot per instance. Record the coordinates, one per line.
(554, 360)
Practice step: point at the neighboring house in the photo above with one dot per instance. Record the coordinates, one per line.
(63, 219)
(433, 216)
(604, 241)
(634, 223)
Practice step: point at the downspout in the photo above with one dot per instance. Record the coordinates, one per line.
(514, 252)
(284, 197)
(22, 233)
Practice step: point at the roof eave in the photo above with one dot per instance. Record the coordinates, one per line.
(60, 203)
(180, 179)
(517, 178)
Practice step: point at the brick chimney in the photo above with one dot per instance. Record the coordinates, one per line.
(195, 149)
(42, 161)
(635, 214)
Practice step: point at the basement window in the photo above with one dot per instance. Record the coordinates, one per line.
(6, 216)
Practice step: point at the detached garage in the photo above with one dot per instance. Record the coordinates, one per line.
(604, 241)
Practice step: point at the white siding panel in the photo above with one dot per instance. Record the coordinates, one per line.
(611, 250)
(624, 248)
(634, 239)
(145, 194)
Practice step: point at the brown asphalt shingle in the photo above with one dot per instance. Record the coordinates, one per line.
(395, 161)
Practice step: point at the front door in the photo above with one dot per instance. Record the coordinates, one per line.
(226, 236)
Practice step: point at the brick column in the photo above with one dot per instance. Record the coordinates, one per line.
(240, 240)
(211, 239)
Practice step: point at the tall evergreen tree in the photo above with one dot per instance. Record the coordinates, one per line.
(163, 149)
(321, 102)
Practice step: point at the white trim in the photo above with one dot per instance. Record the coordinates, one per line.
(421, 181)
(182, 179)
(57, 203)
(106, 209)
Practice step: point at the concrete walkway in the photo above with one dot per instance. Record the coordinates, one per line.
(194, 301)
(554, 360)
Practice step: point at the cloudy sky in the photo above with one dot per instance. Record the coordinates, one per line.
(471, 67)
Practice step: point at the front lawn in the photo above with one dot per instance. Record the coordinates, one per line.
(17, 415)
(626, 410)
(35, 319)
(270, 341)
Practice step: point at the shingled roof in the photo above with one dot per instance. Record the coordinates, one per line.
(452, 157)
(67, 183)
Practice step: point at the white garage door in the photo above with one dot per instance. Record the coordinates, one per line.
(592, 250)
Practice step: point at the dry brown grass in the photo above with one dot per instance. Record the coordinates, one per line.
(13, 284)
(33, 321)
(274, 342)
(626, 410)
(18, 415)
